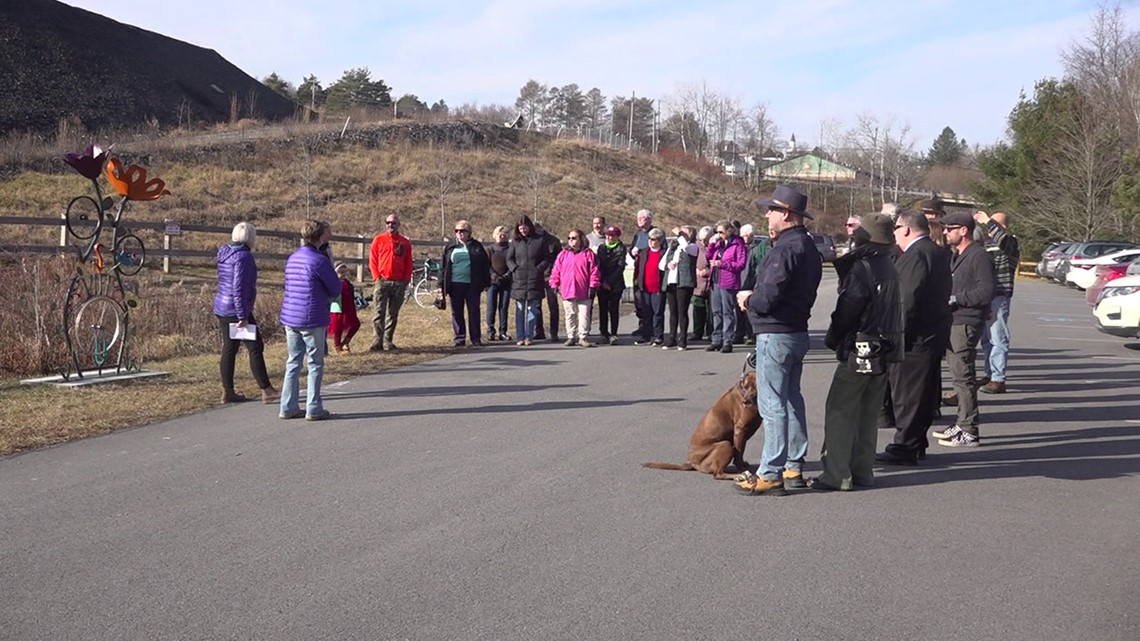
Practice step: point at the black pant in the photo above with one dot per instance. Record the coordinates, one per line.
(743, 327)
(913, 385)
(677, 299)
(553, 310)
(255, 347)
(465, 320)
(609, 302)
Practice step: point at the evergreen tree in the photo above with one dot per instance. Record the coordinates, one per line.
(947, 148)
(279, 84)
(356, 88)
(310, 92)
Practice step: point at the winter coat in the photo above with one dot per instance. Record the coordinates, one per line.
(684, 255)
(972, 291)
(237, 281)
(611, 264)
(480, 265)
(575, 274)
(756, 255)
(733, 256)
(527, 259)
(310, 285)
(500, 273)
(704, 283)
(869, 302)
(786, 286)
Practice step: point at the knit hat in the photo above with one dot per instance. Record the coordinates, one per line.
(613, 230)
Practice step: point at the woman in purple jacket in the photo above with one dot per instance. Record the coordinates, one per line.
(310, 284)
(233, 305)
(727, 257)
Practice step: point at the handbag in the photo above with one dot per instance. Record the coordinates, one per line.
(440, 302)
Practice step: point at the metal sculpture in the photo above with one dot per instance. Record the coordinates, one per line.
(96, 310)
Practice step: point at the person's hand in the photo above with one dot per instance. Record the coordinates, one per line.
(714, 263)
(634, 251)
(703, 273)
(240, 324)
(742, 299)
(982, 217)
(593, 292)
(672, 265)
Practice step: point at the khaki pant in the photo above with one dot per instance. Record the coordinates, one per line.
(388, 297)
(963, 352)
(576, 311)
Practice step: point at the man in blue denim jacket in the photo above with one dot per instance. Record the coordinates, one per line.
(779, 308)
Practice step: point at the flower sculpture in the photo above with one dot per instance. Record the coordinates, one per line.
(131, 182)
(89, 164)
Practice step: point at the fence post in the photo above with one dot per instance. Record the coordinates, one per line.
(360, 254)
(63, 229)
(166, 253)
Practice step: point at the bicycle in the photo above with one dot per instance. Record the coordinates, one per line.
(425, 282)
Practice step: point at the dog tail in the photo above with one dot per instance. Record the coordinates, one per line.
(683, 467)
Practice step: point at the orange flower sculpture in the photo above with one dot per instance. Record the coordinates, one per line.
(131, 182)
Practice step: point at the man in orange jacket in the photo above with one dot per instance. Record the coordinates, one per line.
(390, 260)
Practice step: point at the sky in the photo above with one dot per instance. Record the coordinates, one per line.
(928, 64)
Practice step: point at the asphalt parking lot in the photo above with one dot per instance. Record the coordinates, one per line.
(498, 494)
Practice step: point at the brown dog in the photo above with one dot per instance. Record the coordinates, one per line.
(720, 436)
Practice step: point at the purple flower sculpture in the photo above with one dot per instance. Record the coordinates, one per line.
(90, 163)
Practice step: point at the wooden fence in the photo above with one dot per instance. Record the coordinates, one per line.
(172, 232)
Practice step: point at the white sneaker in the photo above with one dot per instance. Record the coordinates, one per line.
(947, 433)
(962, 439)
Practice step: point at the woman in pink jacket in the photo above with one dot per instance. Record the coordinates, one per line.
(576, 277)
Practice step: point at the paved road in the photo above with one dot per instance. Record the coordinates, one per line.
(497, 494)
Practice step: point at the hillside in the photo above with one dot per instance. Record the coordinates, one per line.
(59, 62)
(431, 174)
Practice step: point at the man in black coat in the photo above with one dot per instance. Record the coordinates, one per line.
(924, 285)
(866, 334)
(972, 291)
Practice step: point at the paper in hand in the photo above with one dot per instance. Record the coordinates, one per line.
(247, 333)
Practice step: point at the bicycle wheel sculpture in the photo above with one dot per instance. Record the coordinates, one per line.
(96, 310)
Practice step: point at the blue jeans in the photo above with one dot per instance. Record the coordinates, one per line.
(995, 340)
(724, 316)
(779, 368)
(653, 310)
(498, 299)
(302, 341)
(526, 317)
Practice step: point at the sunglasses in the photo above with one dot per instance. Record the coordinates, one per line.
(851, 225)
(391, 222)
(457, 230)
(573, 237)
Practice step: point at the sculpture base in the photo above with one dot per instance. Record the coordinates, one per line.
(93, 377)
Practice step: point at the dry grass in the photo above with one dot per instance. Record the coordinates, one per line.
(36, 416)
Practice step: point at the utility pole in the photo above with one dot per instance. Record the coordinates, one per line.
(632, 100)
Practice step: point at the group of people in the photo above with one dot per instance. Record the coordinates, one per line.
(916, 285)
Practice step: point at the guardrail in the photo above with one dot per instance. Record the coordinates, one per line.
(172, 230)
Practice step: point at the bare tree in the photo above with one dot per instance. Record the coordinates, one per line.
(306, 174)
(1106, 67)
(537, 179)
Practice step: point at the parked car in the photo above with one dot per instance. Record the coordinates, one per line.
(826, 246)
(1086, 249)
(1118, 312)
(1104, 274)
(1082, 271)
(1050, 258)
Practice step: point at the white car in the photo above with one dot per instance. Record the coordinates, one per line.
(1082, 271)
(1118, 312)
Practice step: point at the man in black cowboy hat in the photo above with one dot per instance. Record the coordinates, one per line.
(779, 308)
(866, 334)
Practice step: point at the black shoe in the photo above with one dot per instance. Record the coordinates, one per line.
(894, 458)
(922, 453)
(726, 349)
(713, 347)
(820, 486)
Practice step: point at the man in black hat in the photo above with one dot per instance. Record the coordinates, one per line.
(924, 283)
(866, 334)
(972, 292)
(779, 308)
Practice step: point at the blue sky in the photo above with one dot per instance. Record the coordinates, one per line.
(926, 63)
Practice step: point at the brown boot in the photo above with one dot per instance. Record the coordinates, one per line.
(993, 387)
(270, 395)
(230, 396)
